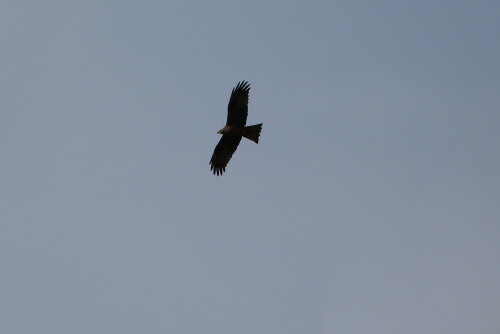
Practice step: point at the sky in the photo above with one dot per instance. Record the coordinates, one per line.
(370, 205)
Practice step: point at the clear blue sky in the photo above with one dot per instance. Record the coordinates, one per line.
(370, 205)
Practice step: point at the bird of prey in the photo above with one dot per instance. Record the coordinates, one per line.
(235, 129)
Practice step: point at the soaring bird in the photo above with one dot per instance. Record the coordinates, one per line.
(235, 129)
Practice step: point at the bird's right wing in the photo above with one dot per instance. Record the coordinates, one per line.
(223, 152)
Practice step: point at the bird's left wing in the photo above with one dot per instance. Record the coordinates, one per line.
(237, 109)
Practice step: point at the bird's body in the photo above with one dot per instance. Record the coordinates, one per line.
(232, 130)
(235, 129)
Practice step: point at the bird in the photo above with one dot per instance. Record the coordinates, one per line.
(235, 129)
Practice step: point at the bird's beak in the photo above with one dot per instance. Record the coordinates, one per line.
(219, 132)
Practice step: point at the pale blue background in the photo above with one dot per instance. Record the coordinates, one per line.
(371, 204)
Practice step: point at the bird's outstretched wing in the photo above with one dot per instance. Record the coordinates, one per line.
(237, 109)
(223, 153)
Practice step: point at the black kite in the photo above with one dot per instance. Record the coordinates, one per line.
(237, 111)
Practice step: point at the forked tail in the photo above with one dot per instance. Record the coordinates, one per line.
(252, 132)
